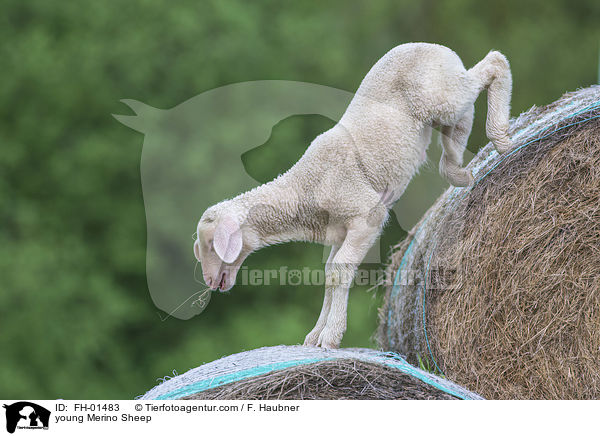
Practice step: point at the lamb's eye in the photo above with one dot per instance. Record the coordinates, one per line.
(210, 245)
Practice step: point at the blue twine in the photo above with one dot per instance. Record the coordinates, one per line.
(407, 368)
(504, 157)
(396, 288)
(204, 385)
(389, 359)
(424, 315)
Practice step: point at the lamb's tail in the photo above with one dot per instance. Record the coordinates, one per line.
(493, 73)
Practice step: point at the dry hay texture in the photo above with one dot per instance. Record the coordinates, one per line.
(498, 286)
(305, 373)
(331, 380)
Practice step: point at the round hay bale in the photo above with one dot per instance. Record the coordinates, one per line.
(498, 286)
(303, 373)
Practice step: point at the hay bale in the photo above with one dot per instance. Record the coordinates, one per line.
(302, 373)
(498, 286)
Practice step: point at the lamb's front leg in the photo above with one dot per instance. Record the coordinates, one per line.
(339, 278)
(313, 337)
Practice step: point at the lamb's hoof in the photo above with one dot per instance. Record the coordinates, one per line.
(503, 145)
(329, 339)
(312, 339)
(460, 178)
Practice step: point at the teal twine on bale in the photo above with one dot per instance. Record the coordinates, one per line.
(204, 385)
(396, 287)
(407, 368)
(424, 313)
(263, 361)
(527, 143)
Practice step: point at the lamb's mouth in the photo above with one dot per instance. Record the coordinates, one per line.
(222, 282)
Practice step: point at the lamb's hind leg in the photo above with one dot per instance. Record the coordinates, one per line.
(454, 141)
(493, 73)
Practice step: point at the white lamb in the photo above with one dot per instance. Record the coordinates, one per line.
(340, 191)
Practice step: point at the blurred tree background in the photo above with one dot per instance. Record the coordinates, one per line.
(76, 319)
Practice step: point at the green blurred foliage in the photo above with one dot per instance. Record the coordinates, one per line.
(76, 319)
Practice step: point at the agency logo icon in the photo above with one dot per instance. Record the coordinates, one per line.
(196, 154)
(26, 415)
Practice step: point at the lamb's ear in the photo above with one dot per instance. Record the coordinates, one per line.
(227, 239)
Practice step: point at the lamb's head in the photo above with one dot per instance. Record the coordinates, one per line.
(220, 247)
